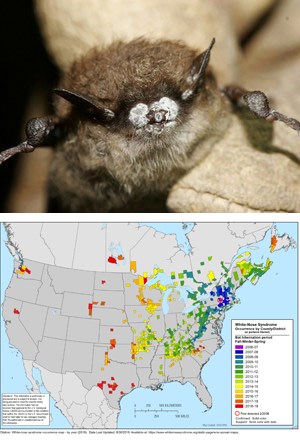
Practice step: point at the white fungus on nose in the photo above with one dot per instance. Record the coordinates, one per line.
(165, 109)
(137, 115)
(169, 106)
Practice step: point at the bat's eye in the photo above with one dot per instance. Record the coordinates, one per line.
(156, 116)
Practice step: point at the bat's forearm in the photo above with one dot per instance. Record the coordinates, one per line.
(10, 152)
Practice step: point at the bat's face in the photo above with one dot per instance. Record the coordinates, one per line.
(143, 95)
(138, 116)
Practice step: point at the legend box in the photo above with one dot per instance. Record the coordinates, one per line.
(239, 376)
(262, 372)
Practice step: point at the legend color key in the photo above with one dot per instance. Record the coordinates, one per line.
(262, 372)
(239, 376)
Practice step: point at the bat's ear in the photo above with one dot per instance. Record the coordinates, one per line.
(196, 73)
(86, 105)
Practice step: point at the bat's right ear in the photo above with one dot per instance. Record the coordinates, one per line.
(196, 75)
(86, 105)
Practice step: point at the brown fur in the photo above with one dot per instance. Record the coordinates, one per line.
(102, 167)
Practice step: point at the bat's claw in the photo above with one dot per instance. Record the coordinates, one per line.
(38, 132)
(259, 104)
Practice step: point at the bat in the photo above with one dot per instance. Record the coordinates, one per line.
(130, 120)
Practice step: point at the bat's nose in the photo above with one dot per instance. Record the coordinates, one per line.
(156, 117)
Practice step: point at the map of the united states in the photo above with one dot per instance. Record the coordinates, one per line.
(103, 309)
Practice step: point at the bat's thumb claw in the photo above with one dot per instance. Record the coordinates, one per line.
(258, 103)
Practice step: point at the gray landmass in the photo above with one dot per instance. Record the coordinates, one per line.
(284, 241)
(110, 316)
(23, 289)
(136, 313)
(46, 293)
(71, 280)
(17, 334)
(122, 334)
(83, 330)
(108, 281)
(78, 357)
(91, 378)
(33, 317)
(242, 230)
(76, 305)
(36, 270)
(51, 354)
(112, 298)
(121, 353)
(56, 325)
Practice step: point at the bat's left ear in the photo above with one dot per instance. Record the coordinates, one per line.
(196, 74)
(86, 105)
